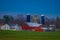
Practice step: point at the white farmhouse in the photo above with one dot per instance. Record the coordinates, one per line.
(5, 27)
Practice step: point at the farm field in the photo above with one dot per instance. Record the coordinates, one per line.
(28, 35)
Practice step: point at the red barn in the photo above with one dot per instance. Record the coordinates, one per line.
(33, 27)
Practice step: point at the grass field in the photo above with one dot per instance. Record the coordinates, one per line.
(28, 35)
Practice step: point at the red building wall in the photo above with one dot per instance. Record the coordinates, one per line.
(26, 27)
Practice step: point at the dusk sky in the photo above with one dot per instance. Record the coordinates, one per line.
(50, 8)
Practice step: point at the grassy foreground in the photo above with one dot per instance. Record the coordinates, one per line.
(28, 35)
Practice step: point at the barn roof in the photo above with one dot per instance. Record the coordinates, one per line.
(33, 24)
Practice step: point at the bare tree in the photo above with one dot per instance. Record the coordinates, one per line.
(47, 21)
(57, 22)
(20, 19)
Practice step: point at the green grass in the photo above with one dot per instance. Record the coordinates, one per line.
(57, 30)
(28, 35)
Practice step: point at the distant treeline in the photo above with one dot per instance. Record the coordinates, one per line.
(21, 19)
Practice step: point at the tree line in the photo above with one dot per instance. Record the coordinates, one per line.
(21, 19)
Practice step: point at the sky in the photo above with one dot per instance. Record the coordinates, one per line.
(50, 8)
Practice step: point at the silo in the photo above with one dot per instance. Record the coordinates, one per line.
(28, 16)
(42, 19)
(35, 18)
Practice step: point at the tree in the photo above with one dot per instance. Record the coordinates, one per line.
(47, 21)
(1, 21)
(52, 21)
(8, 19)
(11, 19)
(20, 19)
(57, 22)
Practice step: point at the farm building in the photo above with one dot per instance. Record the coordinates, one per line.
(5, 27)
(14, 27)
(33, 27)
(9, 27)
